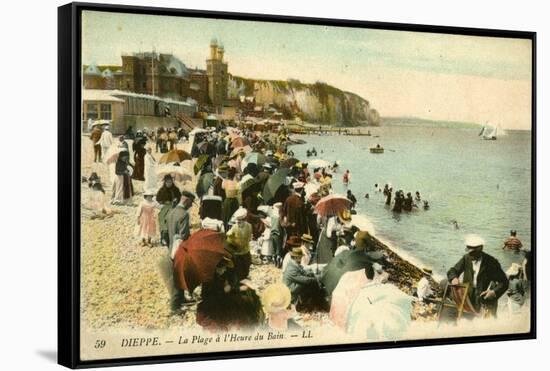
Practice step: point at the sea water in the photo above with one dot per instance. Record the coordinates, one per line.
(485, 186)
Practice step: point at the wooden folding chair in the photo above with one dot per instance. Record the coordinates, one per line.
(456, 297)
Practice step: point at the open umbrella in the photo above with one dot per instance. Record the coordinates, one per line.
(346, 261)
(201, 161)
(380, 312)
(204, 182)
(175, 155)
(178, 173)
(112, 154)
(334, 271)
(289, 162)
(196, 258)
(331, 205)
(318, 163)
(239, 142)
(253, 158)
(274, 182)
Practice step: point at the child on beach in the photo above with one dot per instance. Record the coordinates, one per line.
(146, 220)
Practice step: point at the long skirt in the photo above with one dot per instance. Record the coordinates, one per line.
(163, 225)
(150, 179)
(229, 206)
(325, 249)
(242, 265)
(122, 188)
(139, 167)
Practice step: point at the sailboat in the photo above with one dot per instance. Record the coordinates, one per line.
(488, 135)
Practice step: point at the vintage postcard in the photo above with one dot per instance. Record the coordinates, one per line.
(255, 185)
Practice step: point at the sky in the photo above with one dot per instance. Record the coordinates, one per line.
(424, 75)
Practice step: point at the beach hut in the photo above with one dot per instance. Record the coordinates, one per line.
(102, 105)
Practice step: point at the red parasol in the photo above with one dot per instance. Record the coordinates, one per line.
(331, 205)
(239, 142)
(196, 258)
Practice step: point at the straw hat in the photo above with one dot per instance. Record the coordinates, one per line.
(362, 239)
(307, 238)
(296, 252)
(276, 298)
(344, 216)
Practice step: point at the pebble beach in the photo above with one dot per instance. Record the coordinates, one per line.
(126, 285)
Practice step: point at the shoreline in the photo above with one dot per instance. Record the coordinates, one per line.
(415, 264)
(111, 255)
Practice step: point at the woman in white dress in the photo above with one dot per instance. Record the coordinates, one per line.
(150, 172)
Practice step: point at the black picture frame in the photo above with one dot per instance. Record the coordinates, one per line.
(69, 141)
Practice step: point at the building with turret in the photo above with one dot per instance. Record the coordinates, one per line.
(216, 70)
(165, 76)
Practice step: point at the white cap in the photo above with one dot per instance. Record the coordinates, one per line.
(473, 241)
(298, 185)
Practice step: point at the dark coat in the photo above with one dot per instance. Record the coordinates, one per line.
(295, 212)
(489, 271)
(167, 195)
(96, 134)
(178, 223)
(296, 279)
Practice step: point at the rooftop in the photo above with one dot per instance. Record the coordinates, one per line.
(100, 95)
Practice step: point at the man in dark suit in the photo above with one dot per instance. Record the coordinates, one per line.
(487, 280)
(177, 219)
(178, 222)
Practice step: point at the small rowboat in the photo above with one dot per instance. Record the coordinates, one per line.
(376, 150)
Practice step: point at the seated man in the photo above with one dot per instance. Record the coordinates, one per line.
(304, 287)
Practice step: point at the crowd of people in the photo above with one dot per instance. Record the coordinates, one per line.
(258, 205)
(401, 202)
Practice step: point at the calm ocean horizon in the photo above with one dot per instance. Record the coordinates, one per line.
(485, 186)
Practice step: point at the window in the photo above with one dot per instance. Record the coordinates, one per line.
(105, 111)
(91, 111)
